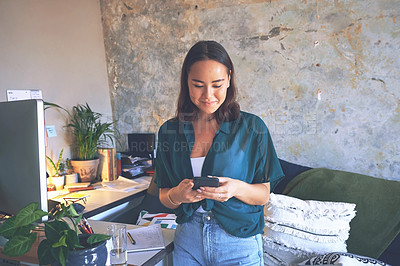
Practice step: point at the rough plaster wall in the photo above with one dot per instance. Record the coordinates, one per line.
(323, 75)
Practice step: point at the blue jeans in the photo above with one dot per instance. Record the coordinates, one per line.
(201, 241)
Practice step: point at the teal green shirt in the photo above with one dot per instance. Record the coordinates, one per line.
(241, 149)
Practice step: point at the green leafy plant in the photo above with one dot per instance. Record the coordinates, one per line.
(48, 105)
(21, 232)
(58, 167)
(89, 131)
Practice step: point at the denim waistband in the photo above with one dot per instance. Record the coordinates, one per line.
(204, 218)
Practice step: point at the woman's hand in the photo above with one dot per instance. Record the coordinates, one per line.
(253, 194)
(183, 193)
(226, 190)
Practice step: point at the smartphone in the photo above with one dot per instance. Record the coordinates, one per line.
(202, 181)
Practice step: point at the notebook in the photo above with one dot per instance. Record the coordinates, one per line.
(77, 185)
(146, 238)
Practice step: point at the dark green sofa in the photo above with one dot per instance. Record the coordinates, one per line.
(375, 229)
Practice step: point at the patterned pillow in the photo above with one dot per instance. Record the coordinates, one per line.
(342, 258)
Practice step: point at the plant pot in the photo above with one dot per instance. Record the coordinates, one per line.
(96, 255)
(71, 178)
(87, 170)
(58, 181)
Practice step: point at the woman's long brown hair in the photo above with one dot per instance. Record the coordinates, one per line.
(207, 50)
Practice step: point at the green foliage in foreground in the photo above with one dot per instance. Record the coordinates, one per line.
(21, 232)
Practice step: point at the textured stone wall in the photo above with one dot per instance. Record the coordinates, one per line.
(324, 75)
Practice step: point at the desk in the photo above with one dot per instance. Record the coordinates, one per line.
(145, 258)
(99, 201)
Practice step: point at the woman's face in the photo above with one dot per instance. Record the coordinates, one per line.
(208, 81)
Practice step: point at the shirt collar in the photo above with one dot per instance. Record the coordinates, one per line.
(225, 128)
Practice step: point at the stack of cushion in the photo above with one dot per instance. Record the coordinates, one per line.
(300, 229)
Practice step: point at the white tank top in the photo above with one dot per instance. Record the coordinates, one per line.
(197, 165)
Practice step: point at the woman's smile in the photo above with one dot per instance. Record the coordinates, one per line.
(209, 103)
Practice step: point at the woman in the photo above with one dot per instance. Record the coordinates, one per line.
(210, 136)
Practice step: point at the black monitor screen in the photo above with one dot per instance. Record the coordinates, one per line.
(141, 144)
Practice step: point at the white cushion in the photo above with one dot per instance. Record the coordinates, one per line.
(305, 245)
(296, 229)
(279, 254)
(320, 217)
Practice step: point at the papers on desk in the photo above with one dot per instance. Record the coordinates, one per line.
(124, 184)
(70, 196)
(166, 220)
(133, 167)
(68, 189)
(57, 194)
(146, 238)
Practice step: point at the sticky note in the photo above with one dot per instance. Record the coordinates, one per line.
(17, 95)
(36, 94)
(51, 131)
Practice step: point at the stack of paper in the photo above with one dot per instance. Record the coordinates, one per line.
(124, 184)
(146, 238)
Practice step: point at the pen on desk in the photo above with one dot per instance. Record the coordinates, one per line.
(131, 238)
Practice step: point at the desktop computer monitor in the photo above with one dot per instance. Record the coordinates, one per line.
(142, 144)
(22, 155)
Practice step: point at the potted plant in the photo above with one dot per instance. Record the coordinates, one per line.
(58, 177)
(89, 133)
(61, 242)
